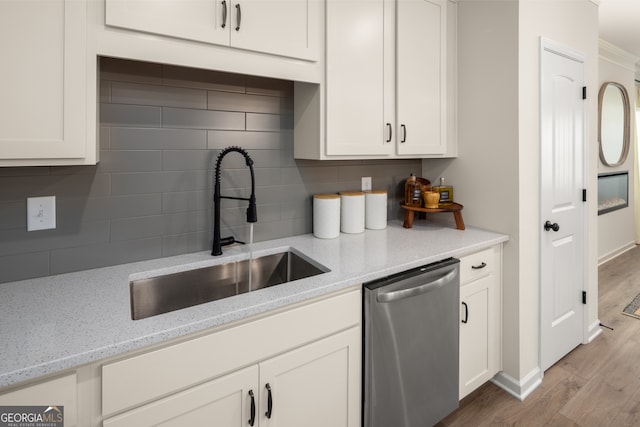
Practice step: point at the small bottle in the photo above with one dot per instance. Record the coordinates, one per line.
(412, 192)
(446, 193)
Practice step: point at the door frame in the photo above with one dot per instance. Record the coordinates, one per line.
(549, 45)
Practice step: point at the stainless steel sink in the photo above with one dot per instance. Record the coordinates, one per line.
(161, 294)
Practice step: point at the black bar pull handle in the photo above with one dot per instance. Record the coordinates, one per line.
(390, 132)
(224, 16)
(466, 312)
(238, 16)
(269, 401)
(404, 134)
(479, 267)
(252, 420)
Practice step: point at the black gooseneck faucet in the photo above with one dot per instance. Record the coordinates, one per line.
(252, 215)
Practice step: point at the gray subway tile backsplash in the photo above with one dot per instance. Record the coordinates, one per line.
(265, 122)
(161, 130)
(22, 266)
(227, 101)
(127, 139)
(162, 96)
(75, 258)
(130, 161)
(130, 115)
(219, 139)
(202, 119)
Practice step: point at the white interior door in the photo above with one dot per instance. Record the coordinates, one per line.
(562, 208)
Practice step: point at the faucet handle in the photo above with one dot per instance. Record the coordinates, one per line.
(225, 241)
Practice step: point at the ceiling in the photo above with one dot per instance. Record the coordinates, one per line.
(620, 24)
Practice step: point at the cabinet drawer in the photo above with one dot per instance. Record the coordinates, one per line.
(477, 265)
(151, 375)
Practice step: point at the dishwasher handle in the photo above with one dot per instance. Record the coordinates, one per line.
(392, 296)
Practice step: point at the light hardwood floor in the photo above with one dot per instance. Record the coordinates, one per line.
(595, 385)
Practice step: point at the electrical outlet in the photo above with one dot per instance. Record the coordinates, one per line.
(366, 183)
(41, 213)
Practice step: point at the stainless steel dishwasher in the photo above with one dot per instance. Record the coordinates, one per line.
(411, 346)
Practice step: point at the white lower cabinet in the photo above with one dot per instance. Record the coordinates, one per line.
(297, 367)
(60, 392)
(224, 401)
(315, 385)
(480, 318)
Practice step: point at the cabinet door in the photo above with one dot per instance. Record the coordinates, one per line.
(281, 27)
(477, 323)
(44, 80)
(56, 392)
(355, 60)
(200, 20)
(420, 81)
(224, 402)
(314, 386)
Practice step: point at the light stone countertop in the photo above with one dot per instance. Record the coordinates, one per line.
(55, 323)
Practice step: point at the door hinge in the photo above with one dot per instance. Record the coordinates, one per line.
(584, 194)
(584, 92)
(584, 297)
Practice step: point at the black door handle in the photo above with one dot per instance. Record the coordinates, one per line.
(466, 312)
(549, 226)
(224, 16)
(404, 134)
(238, 17)
(390, 132)
(269, 401)
(252, 420)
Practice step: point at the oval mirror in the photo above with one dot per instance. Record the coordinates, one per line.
(613, 126)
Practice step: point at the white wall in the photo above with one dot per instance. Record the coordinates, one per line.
(497, 173)
(485, 173)
(615, 229)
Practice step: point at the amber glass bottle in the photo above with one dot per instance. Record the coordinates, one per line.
(446, 193)
(412, 192)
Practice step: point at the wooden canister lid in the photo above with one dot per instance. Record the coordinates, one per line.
(376, 191)
(326, 196)
(351, 193)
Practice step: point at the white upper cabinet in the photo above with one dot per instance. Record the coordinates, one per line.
(355, 79)
(48, 100)
(421, 46)
(280, 27)
(389, 85)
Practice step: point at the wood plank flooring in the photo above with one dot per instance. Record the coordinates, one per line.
(596, 385)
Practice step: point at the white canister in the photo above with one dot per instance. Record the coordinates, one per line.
(352, 211)
(326, 215)
(375, 209)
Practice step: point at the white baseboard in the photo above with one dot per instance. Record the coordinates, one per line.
(518, 389)
(614, 253)
(594, 331)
